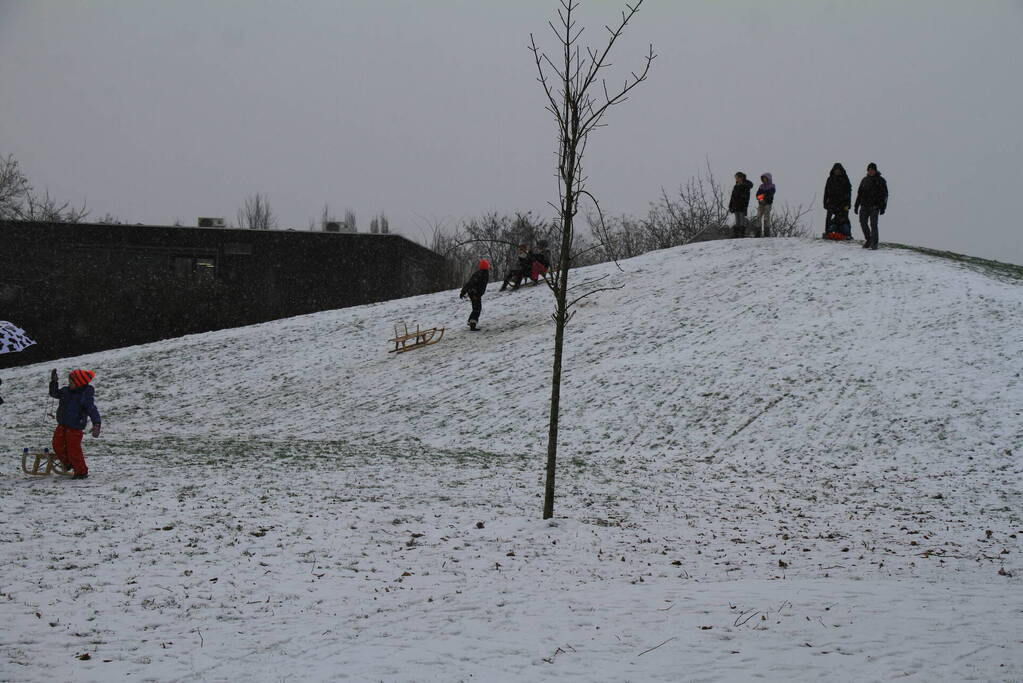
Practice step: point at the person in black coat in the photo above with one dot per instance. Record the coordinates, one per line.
(837, 200)
(738, 204)
(474, 288)
(515, 275)
(871, 201)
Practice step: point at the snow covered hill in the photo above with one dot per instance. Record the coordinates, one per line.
(779, 458)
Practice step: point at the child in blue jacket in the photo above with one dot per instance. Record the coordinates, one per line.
(77, 406)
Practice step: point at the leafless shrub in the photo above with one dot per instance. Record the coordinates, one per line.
(256, 213)
(789, 221)
(48, 210)
(19, 202)
(14, 188)
(697, 211)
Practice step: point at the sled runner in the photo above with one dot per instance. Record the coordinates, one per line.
(42, 464)
(414, 339)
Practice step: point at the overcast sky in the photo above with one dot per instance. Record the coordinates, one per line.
(430, 112)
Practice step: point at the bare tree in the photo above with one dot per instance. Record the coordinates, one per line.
(14, 188)
(495, 237)
(257, 214)
(19, 202)
(47, 210)
(448, 243)
(350, 221)
(568, 80)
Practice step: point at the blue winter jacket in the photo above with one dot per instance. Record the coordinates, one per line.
(76, 405)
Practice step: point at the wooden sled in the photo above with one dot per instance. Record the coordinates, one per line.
(414, 339)
(43, 464)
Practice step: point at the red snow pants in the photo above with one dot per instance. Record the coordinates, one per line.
(67, 444)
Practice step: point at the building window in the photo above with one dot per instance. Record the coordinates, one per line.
(203, 268)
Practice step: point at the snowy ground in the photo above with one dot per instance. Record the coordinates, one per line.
(780, 459)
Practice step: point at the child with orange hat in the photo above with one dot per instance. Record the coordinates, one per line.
(474, 289)
(77, 406)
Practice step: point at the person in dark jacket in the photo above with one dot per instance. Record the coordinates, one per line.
(871, 200)
(521, 270)
(77, 406)
(738, 204)
(474, 288)
(765, 200)
(837, 201)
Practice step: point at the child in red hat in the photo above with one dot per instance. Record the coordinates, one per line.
(474, 289)
(77, 406)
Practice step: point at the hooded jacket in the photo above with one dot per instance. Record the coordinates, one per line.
(765, 193)
(837, 190)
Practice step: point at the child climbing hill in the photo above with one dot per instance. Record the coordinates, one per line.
(77, 406)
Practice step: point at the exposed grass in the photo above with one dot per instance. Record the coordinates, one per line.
(986, 266)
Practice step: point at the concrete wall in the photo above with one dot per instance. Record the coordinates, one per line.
(78, 288)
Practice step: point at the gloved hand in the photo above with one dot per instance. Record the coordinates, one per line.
(881, 212)
(53, 374)
(856, 209)
(461, 296)
(95, 429)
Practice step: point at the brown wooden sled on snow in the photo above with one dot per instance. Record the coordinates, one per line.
(43, 464)
(414, 339)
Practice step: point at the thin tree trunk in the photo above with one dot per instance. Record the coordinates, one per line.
(552, 433)
(560, 320)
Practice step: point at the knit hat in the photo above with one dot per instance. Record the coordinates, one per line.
(484, 264)
(871, 165)
(79, 378)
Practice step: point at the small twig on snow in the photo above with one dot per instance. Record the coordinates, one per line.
(656, 646)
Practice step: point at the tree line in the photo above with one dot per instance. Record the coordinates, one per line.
(19, 201)
(695, 211)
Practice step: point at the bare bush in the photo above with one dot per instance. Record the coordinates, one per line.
(697, 211)
(496, 237)
(458, 262)
(14, 188)
(789, 221)
(48, 210)
(257, 214)
(19, 202)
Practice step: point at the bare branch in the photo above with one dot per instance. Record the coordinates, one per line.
(591, 293)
